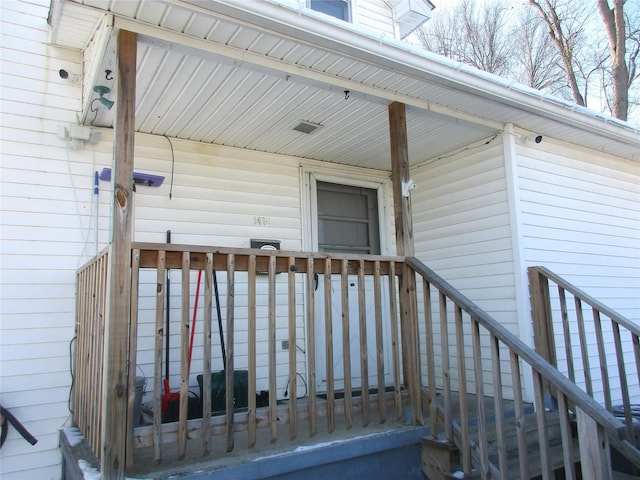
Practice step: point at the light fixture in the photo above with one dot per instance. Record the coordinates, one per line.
(102, 91)
(139, 178)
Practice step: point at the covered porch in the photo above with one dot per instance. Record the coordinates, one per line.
(454, 379)
(247, 78)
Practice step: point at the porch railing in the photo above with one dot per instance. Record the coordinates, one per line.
(461, 358)
(470, 342)
(91, 303)
(271, 288)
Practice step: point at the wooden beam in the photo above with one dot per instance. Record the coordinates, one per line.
(400, 175)
(114, 401)
(401, 180)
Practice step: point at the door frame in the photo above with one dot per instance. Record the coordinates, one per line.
(380, 182)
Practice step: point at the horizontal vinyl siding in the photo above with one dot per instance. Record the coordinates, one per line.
(375, 15)
(45, 219)
(581, 219)
(461, 230)
(580, 216)
(461, 223)
(220, 197)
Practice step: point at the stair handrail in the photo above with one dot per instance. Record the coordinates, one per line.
(540, 279)
(604, 418)
(591, 415)
(588, 299)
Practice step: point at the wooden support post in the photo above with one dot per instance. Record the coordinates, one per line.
(400, 179)
(114, 401)
(594, 448)
(543, 335)
(542, 321)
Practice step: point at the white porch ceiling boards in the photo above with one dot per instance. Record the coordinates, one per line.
(215, 77)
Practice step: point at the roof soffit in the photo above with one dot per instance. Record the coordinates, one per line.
(326, 63)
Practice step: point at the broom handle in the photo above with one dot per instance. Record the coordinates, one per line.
(215, 288)
(193, 322)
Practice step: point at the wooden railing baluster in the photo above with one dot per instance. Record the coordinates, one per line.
(312, 278)
(446, 379)
(346, 344)
(364, 355)
(538, 388)
(157, 364)
(230, 350)
(251, 361)
(498, 410)
(293, 389)
(431, 367)
(584, 349)
(462, 389)
(377, 294)
(564, 315)
(184, 356)
(133, 349)
(206, 353)
(328, 325)
(483, 452)
(273, 415)
(624, 387)
(523, 458)
(395, 339)
(602, 356)
(567, 438)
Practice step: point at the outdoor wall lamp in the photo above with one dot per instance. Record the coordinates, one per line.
(102, 91)
(139, 178)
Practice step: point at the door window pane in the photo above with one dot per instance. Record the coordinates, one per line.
(347, 219)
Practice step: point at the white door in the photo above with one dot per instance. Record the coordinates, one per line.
(347, 221)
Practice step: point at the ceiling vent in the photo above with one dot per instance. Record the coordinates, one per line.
(306, 127)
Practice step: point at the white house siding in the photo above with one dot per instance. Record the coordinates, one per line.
(44, 223)
(461, 230)
(580, 212)
(220, 197)
(375, 15)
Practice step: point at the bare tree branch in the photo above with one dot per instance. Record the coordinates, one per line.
(564, 42)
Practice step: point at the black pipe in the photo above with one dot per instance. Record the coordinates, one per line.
(9, 418)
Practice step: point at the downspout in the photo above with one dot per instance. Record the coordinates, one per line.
(525, 329)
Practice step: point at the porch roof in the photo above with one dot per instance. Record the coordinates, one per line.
(244, 74)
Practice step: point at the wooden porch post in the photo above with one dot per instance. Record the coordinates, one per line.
(400, 177)
(115, 388)
(541, 311)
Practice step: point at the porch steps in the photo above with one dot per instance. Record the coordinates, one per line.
(441, 460)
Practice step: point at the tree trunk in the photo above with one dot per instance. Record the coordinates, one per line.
(614, 25)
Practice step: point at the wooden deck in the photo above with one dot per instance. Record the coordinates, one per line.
(440, 354)
(218, 460)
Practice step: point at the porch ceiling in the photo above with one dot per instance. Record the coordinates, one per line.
(236, 77)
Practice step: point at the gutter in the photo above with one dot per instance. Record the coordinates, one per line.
(301, 23)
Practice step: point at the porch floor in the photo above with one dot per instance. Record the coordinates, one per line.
(286, 455)
(283, 451)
